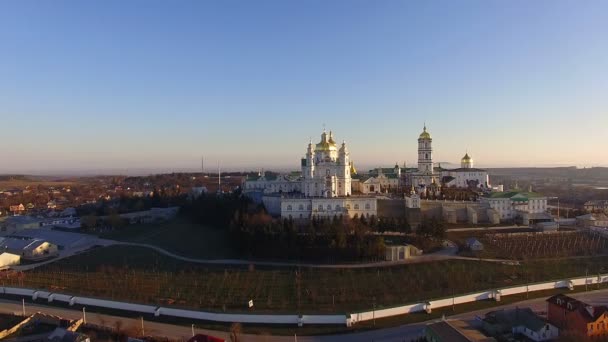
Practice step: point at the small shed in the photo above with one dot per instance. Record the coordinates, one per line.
(474, 244)
(9, 259)
(401, 252)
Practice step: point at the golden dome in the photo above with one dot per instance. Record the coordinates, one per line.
(353, 170)
(424, 134)
(326, 144)
(466, 158)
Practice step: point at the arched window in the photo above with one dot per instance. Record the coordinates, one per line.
(367, 206)
(289, 207)
(348, 206)
(320, 207)
(329, 207)
(309, 207)
(301, 207)
(356, 207)
(337, 207)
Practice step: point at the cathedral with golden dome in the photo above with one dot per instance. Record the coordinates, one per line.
(326, 169)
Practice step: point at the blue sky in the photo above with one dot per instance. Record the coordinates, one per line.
(95, 85)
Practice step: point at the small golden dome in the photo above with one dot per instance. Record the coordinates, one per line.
(424, 134)
(466, 158)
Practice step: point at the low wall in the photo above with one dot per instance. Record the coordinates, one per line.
(307, 319)
(472, 297)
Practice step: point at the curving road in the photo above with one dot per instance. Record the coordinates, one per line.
(449, 252)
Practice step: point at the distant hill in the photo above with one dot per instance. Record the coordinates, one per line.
(572, 172)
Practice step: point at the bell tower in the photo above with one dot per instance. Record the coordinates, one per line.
(425, 152)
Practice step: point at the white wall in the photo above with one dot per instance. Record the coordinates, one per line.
(305, 319)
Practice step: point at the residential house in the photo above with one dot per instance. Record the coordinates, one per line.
(596, 206)
(569, 314)
(513, 322)
(17, 209)
(592, 220)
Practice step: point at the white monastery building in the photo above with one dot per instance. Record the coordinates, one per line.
(324, 188)
(466, 176)
(326, 169)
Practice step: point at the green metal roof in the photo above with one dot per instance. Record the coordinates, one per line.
(517, 194)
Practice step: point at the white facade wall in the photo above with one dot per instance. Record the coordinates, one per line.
(462, 178)
(508, 209)
(273, 186)
(547, 333)
(306, 208)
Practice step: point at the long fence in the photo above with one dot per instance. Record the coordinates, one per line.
(342, 319)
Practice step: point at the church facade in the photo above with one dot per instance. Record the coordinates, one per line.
(324, 189)
(326, 170)
(466, 176)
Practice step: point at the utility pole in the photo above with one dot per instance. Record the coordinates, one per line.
(219, 178)
(84, 315)
(203, 166)
(192, 330)
(374, 312)
(23, 306)
(143, 333)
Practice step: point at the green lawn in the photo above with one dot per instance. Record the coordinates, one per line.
(114, 272)
(180, 236)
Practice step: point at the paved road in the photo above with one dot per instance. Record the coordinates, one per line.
(396, 334)
(449, 252)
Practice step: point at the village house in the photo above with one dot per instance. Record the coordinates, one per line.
(592, 220)
(570, 314)
(519, 322)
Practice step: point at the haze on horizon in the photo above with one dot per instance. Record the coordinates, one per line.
(154, 85)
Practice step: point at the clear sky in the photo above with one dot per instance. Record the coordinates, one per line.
(97, 85)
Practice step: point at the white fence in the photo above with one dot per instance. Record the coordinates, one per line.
(347, 319)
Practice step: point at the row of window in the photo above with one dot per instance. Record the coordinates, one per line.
(320, 207)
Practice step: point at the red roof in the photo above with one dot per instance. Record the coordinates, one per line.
(590, 313)
(205, 338)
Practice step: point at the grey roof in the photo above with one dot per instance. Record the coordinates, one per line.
(56, 237)
(12, 244)
(517, 317)
(446, 332)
